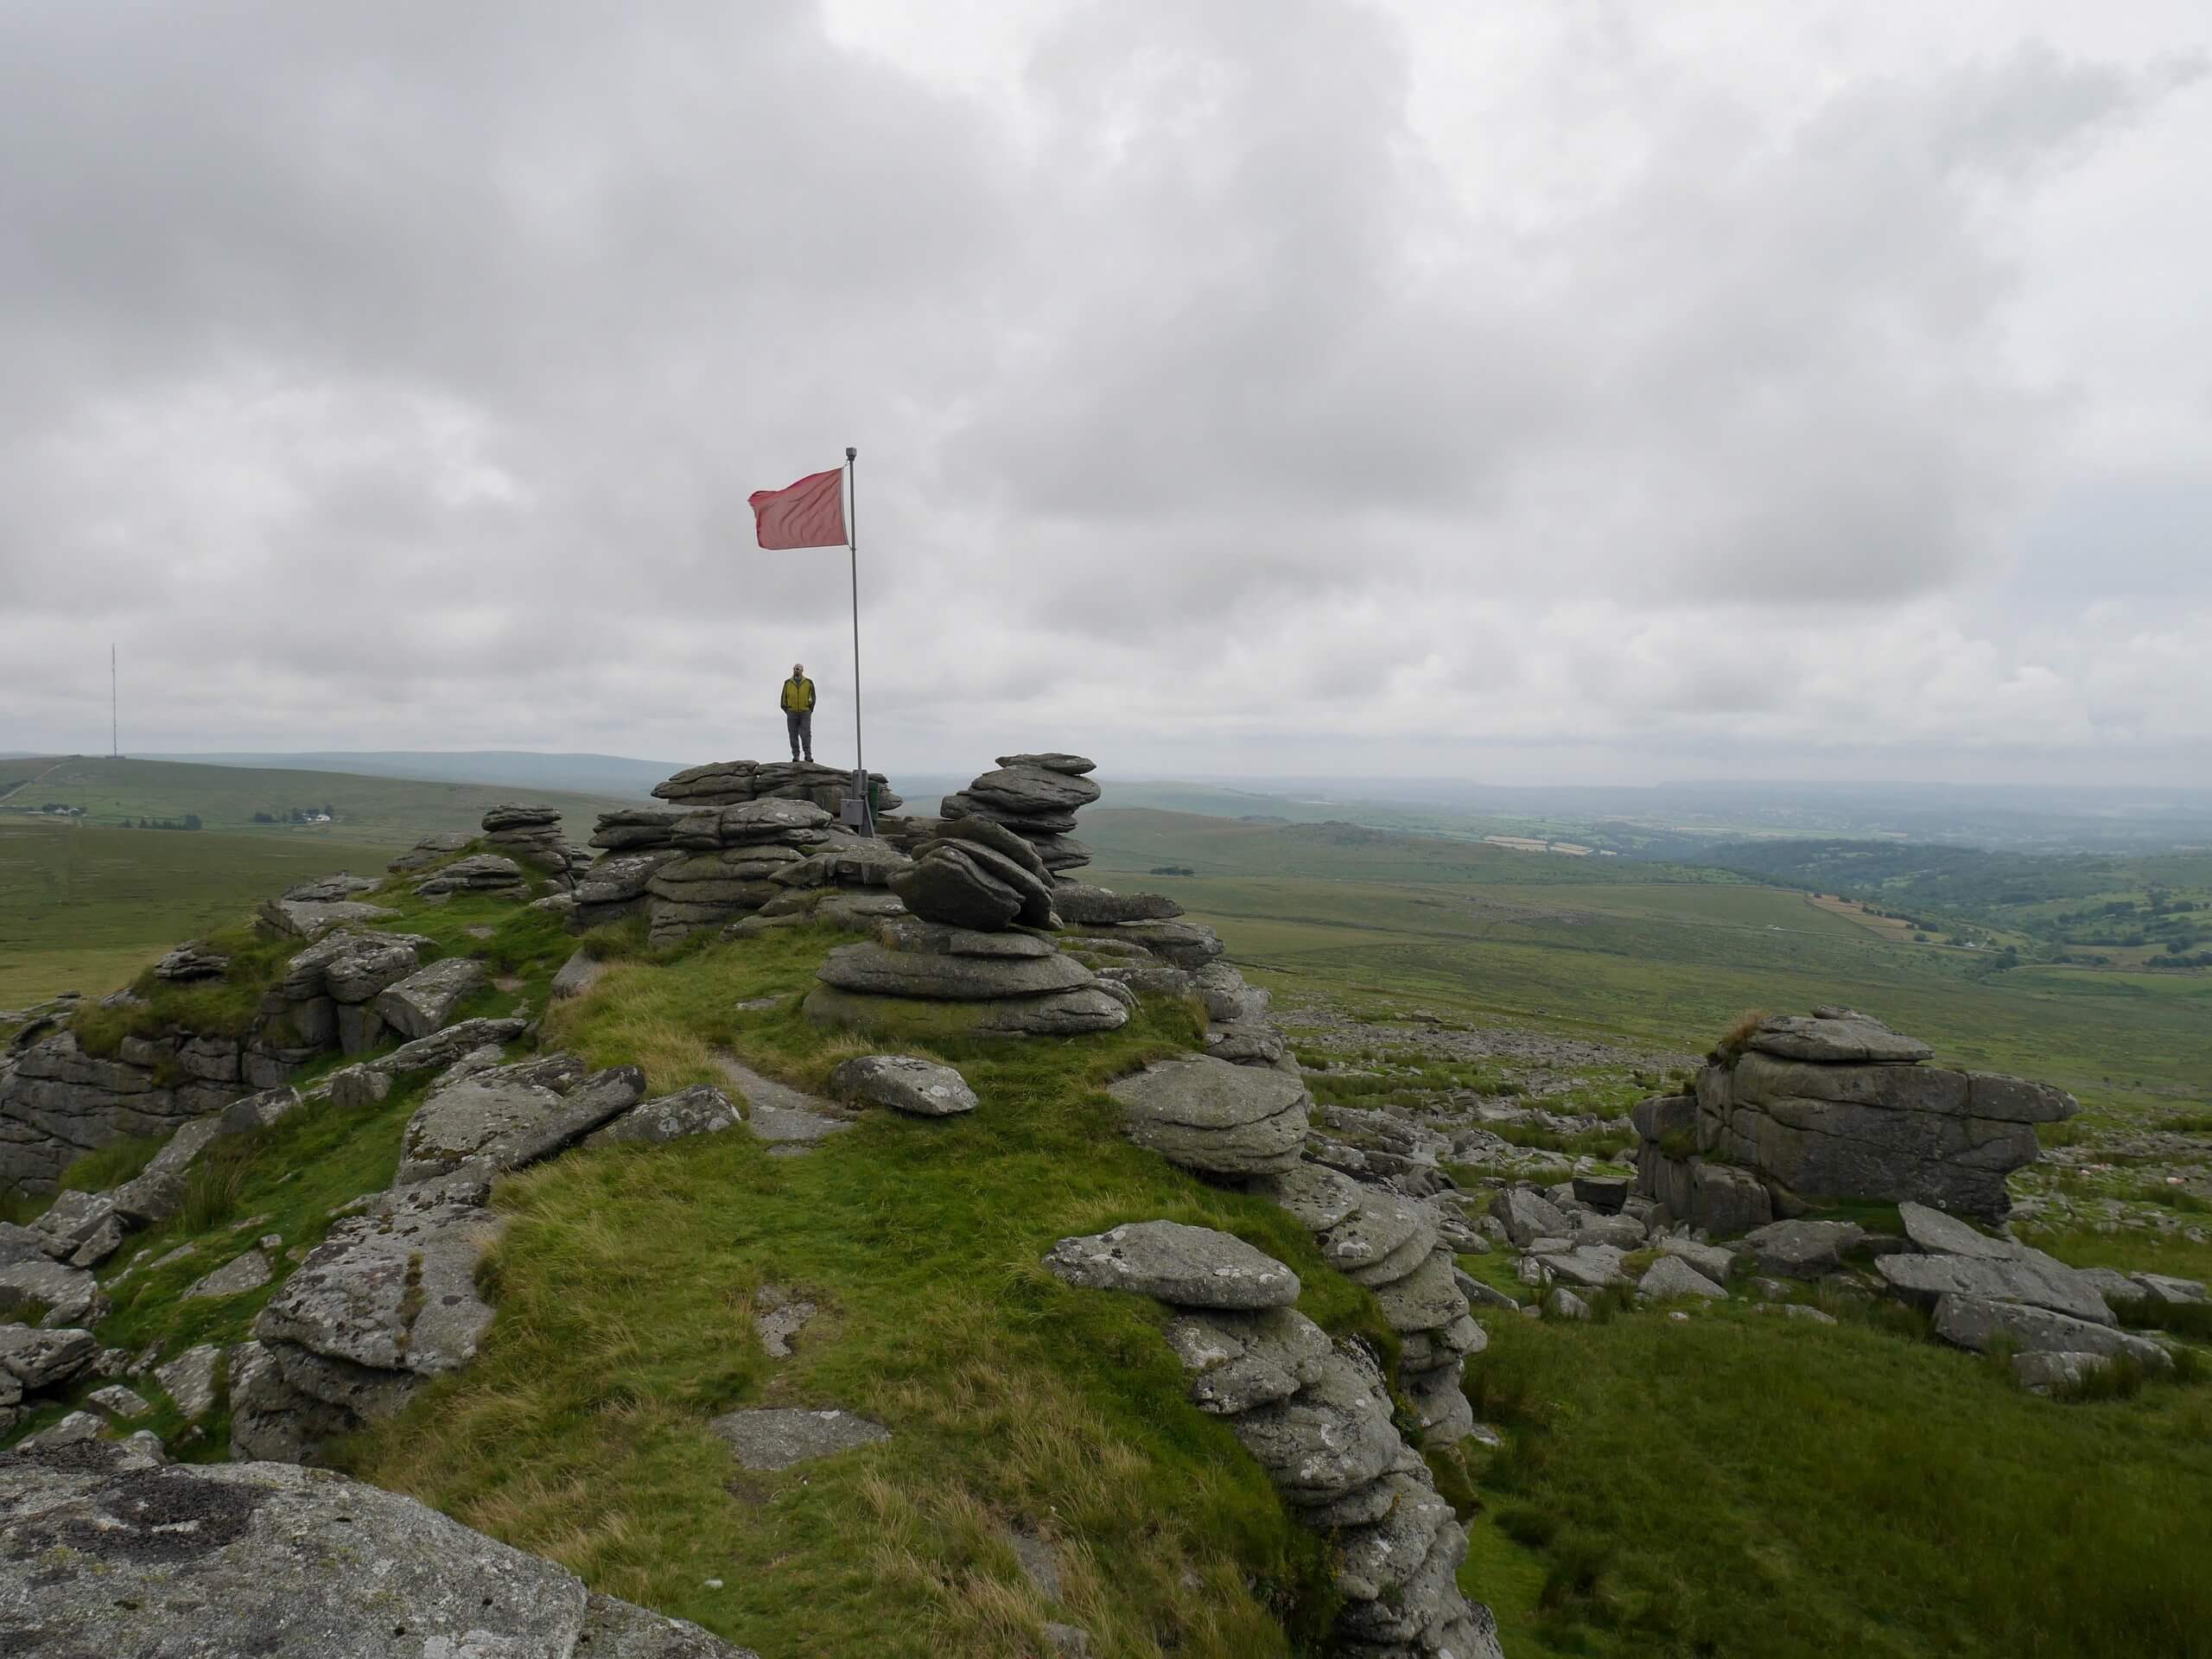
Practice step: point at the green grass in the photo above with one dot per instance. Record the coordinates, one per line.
(1741, 1485)
(85, 908)
(378, 811)
(625, 1287)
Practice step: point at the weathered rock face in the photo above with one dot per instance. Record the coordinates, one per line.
(387, 1300)
(1316, 1417)
(271, 1559)
(59, 1101)
(1837, 1106)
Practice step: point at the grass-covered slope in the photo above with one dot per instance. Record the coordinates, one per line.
(1745, 1484)
(1733, 1483)
(85, 906)
(625, 1287)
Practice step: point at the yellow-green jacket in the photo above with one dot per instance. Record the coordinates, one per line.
(798, 697)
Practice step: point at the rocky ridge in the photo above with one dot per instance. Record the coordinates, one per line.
(1317, 1416)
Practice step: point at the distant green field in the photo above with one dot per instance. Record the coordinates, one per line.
(1136, 838)
(380, 811)
(85, 906)
(1645, 950)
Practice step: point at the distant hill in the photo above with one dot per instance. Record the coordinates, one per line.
(621, 775)
(364, 810)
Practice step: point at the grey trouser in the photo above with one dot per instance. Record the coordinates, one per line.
(802, 732)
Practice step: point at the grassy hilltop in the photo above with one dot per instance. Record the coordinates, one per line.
(1669, 1481)
(1712, 1483)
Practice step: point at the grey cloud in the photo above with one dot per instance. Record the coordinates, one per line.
(395, 375)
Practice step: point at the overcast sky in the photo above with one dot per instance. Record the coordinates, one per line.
(1545, 391)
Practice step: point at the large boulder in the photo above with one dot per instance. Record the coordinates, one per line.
(139, 1556)
(1033, 790)
(1209, 1115)
(1836, 1105)
(905, 1083)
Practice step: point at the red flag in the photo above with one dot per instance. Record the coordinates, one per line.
(810, 513)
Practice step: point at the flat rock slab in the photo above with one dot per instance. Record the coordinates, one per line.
(1834, 1034)
(1672, 1276)
(1062, 1014)
(1081, 905)
(906, 1083)
(1188, 1267)
(780, 1115)
(1973, 1322)
(769, 1440)
(513, 1116)
(271, 1559)
(2044, 1283)
(46, 1360)
(234, 1278)
(932, 976)
(1937, 1234)
(701, 1109)
(1800, 1249)
(306, 919)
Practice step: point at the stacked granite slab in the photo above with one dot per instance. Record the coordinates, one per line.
(492, 873)
(1035, 796)
(846, 884)
(727, 858)
(1318, 1418)
(732, 782)
(532, 835)
(1833, 1106)
(1392, 1244)
(979, 899)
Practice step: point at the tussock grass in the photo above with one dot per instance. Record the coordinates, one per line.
(110, 1166)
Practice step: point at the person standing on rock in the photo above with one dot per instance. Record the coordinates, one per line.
(798, 710)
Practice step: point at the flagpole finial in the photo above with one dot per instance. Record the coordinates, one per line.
(850, 452)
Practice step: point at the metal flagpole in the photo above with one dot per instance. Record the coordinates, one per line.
(866, 825)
